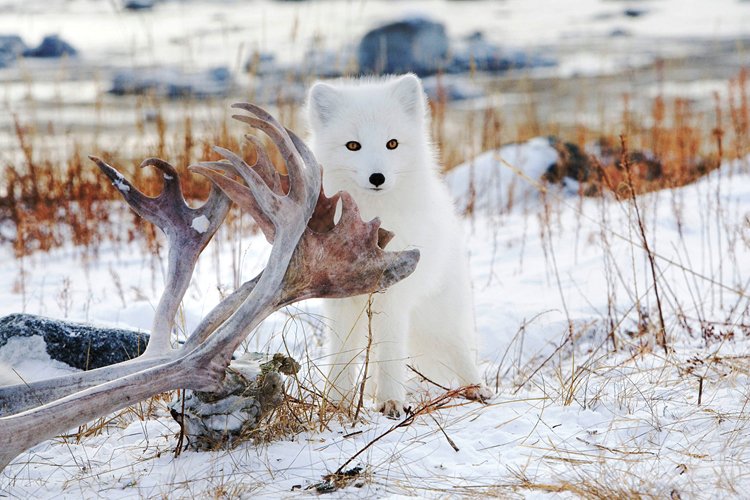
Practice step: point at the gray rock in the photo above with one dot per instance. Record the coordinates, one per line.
(138, 4)
(173, 83)
(51, 47)
(80, 346)
(413, 44)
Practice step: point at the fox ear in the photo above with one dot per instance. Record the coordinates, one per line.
(408, 91)
(322, 102)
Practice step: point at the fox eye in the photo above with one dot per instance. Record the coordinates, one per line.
(392, 144)
(353, 146)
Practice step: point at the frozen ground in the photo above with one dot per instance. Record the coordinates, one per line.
(551, 281)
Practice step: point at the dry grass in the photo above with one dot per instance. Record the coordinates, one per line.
(631, 357)
(47, 201)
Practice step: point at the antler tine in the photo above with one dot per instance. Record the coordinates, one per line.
(241, 195)
(271, 127)
(313, 167)
(188, 231)
(264, 166)
(143, 205)
(266, 199)
(171, 191)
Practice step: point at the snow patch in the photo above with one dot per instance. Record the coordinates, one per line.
(120, 184)
(26, 359)
(201, 224)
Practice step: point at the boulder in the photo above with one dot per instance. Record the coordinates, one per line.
(414, 44)
(138, 4)
(173, 83)
(52, 46)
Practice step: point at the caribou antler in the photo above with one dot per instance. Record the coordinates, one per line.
(311, 257)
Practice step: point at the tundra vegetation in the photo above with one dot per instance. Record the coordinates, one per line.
(665, 358)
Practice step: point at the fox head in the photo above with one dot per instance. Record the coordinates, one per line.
(370, 135)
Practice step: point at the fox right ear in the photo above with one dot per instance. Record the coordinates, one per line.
(322, 102)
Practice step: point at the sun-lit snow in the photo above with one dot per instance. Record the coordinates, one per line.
(632, 415)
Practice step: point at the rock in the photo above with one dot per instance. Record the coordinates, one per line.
(77, 345)
(413, 44)
(138, 4)
(11, 46)
(475, 52)
(173, 83)
(253, 386)
(573, 165)
(52, 46)
(634, 12)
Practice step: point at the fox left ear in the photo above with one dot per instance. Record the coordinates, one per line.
(408, 90)
(321, 103)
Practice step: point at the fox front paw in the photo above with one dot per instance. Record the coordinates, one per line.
(479, 393)
(391, 408)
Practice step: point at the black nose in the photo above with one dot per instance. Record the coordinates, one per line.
(377, 179)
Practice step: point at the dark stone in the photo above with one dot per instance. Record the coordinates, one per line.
(81, 346)
(138, 4)
(633, 12)
(572, 163)
(413, 44)
(644, 164)
(173, 83)
(648, 167)
(51, 46)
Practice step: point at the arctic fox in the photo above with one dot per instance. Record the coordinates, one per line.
(371, 136)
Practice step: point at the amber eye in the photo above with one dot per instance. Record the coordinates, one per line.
(392, 144)
(353, 146)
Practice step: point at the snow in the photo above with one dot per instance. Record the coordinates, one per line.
(120, 184)
(200, 224)
(489, 183)
(29, 361)
(568, 410)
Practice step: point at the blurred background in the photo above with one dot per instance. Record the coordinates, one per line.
(126, 79)
(85, 66)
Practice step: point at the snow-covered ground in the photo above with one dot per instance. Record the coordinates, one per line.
(553, 277)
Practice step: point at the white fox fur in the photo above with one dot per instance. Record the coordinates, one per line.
(427, 319)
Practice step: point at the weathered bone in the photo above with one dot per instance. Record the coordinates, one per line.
(310, 257)
(188, 231)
